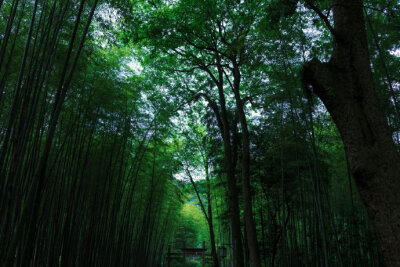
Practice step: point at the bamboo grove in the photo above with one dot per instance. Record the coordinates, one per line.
(128, 128)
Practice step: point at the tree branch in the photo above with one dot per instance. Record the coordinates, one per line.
(324, 19)
(197, 194)
(320, 77)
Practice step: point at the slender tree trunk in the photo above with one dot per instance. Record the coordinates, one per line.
(248, 209)
(210, 217)
(229, 164)
(345, 86)
(30, 212)
(233, 204)
(207, 213)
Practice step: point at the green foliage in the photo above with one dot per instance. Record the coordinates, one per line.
(105, 188)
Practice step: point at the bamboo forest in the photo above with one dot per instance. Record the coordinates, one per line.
(223, 133)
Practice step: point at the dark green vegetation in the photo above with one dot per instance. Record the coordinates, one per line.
(268, 127)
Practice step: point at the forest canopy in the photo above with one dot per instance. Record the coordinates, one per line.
(267, 132)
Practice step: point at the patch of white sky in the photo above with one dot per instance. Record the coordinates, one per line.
(181, 122)
(395, 52)
(108, 15)
(135, 65)
(111, 17)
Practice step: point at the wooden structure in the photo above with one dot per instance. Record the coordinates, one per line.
(186, 252)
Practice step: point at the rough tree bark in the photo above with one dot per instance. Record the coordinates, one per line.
(345, 86)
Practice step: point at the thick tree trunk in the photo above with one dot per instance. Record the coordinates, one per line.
(345, 86)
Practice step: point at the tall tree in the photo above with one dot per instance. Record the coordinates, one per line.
(345, 86)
